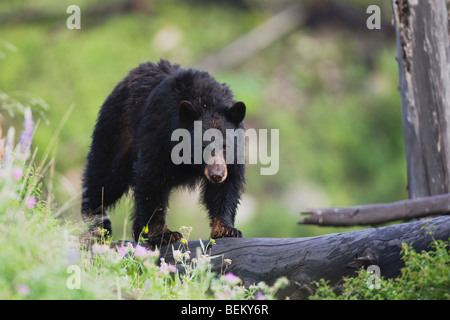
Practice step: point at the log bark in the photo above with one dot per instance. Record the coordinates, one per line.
(375, 214)
(423, 54)
(331, 256)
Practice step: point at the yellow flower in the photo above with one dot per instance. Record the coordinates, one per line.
(183, 241)
(146, 229)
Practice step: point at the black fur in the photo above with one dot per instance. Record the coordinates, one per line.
(131, 147)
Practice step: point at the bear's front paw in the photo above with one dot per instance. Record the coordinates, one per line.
(163, 239)
(225, 232)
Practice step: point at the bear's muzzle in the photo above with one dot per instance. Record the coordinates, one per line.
(217, 171)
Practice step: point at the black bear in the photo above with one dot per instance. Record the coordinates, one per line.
(131, 148)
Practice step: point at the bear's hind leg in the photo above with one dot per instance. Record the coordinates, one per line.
(104, 183)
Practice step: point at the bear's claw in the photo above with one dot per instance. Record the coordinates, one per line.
(225, 232)
(164, 239)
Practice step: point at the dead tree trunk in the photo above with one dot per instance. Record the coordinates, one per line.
(423, 55)
(331, 256)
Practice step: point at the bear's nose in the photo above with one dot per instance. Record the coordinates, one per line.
(216, 173)
(216, 178)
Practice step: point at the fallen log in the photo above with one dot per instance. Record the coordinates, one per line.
(331, 256)
(375, 214)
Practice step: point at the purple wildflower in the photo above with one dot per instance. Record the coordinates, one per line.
(154, 253)
(122, 250)
(260, 296)
(177, 255)
(31, 202)
(22, 289)
(27, 134)
(99, 248)
(73, 255)
(164, 268)
(140, 251)
(230, 278)
(17, 173)
(172, 268)
(167, 267)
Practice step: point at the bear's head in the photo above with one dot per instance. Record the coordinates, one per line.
(211, 126)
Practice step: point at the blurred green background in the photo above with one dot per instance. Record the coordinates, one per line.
(329, 85)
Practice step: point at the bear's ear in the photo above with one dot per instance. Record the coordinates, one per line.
(187, 112)
(236, 113)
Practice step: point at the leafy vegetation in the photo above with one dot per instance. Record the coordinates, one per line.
(425, 276)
